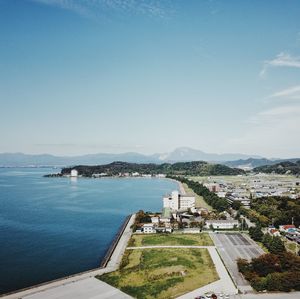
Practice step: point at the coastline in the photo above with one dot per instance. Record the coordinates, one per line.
(109, 263)
(180, 185)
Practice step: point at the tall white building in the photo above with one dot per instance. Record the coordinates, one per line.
(176, 201)
(74, 173)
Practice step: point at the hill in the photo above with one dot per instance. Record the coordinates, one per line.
(200, 168)
(252, 162)
(183, 154)
(285, 167)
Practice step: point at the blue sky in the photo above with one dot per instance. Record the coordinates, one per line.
(88, 76)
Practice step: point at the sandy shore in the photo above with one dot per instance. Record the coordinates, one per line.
(180, 186)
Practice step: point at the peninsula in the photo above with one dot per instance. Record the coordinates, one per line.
(118, 168)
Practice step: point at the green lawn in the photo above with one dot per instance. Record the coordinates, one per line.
(201, 239)
(162, 273)
(262, 246)
(291, 246)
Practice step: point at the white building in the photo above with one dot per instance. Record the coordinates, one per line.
(176, 201)
(186, 202)
(155, 220)
(221, 224)
(148, 228)
(74, 173)
(160, 175)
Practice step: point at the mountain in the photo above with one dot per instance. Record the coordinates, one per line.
(252, 163)
(200, 168)
(183, 154)
(24, 160)
(285, 167)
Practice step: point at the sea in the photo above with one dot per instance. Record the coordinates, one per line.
(54, 227)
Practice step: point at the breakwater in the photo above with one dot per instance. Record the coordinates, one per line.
(114, 243)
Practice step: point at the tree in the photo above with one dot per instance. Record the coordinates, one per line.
(266, 263)
(276, 246)
(267, 239)
(236, 204)
(256, 233)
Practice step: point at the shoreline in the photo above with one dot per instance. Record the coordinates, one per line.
(180, 186)
(109, 263)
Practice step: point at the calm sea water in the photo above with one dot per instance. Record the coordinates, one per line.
(53, 227)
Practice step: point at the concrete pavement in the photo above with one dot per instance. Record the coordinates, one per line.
(232, 246)
(87, 288)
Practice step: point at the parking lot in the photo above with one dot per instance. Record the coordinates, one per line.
(233, 246)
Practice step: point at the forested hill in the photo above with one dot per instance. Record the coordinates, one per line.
(181, 168)
(281, 168)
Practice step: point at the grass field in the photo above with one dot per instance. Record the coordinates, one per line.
(202, 239)
(200, 202)
(162, 273)
(291, 246)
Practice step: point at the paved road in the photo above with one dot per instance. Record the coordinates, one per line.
(169, 246)
(292, 295)
(232, 246)
(55, 289)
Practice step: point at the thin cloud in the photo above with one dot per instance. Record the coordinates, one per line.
(291, 93)
(272, 131)
(71, 5)
(281, 111)
(95, 8)
(283, 59)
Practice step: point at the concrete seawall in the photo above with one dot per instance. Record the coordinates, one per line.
(109, 263)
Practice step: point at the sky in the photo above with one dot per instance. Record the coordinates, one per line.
(94, 76)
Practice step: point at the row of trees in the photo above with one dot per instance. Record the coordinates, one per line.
(273, 243)
(277, 209)
(272, 272)
(220, 204)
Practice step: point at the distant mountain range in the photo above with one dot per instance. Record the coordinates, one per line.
(284, 167)
(253, 163)
(183, 154)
